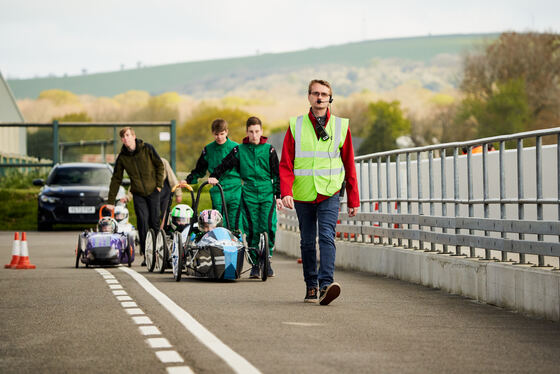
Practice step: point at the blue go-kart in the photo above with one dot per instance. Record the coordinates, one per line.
(218, 254)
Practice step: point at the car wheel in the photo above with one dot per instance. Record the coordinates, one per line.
(43, 225)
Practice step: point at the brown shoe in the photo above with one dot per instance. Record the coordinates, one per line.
(329, 293)
(311, 295)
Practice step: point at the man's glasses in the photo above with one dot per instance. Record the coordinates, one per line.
(320, 94)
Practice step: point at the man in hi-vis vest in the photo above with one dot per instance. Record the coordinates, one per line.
(317, 157)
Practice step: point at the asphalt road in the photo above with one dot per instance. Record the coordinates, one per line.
(60, 319)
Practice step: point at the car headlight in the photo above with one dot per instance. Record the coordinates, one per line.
(49, 199)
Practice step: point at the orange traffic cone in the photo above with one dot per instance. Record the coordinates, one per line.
(24, 255)
(15, 253)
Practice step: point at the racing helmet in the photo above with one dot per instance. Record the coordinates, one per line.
(180, 217)
(209, 219)
(121, 214)
(107, 224)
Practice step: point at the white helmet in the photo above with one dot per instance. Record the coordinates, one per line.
(209, 219)
(121, 214)
(180, 217)
(107, 224)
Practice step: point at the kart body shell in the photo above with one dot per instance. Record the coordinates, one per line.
(104, 249)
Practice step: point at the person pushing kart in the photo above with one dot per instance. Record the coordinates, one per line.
(257, 164)
(211, 156)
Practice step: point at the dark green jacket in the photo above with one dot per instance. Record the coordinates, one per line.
(212, 155)
(257, 165)
(144, 168)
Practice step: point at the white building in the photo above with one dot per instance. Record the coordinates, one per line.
(13, 140)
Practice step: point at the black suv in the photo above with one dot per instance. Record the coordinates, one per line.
(73, 193)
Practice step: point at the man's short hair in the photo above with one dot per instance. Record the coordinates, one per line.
(252, 121)
(124, 130)
(219, 125)
(321, 82)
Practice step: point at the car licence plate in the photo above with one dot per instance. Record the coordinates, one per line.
(81, 209)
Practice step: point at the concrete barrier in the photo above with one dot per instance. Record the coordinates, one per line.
(522, 288)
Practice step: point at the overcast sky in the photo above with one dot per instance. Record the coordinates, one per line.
(38, 38)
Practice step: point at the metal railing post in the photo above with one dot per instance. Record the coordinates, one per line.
(520, 192)
(456, 193)
(431, 191)
(55, 141)
(470, 194)
(443, 192)
(487, 254)
(420, 208)
(398, 187)
(502, 191)
(408, 187)
(388, 191)
(538, 158)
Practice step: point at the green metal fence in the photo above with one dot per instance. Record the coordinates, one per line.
(24, 161)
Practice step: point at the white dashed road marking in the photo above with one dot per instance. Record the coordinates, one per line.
(238, 363)
(142, 320)
(179, 370)
(158, 343)
(168, 356)
(147, 328)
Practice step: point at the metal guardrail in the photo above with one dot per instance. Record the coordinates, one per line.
(395, 208)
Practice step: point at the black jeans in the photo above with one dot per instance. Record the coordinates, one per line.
(147, 214)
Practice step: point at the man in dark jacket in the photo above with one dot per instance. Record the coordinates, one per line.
(145, 170)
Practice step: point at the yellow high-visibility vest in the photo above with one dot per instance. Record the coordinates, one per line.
(318, 167)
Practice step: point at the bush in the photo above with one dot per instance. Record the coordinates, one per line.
(19, 208)
(18, 179)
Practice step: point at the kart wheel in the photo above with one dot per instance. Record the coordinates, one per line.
(177, 253)
(149, 245)
(129, 255)
(160, 252)
(264, 261)
(78, 252)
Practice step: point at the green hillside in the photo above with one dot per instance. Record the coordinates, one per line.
(194, 77)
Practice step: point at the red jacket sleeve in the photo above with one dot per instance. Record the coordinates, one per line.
(347, 155)
(287, 165)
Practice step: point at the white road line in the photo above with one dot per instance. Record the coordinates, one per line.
(143, 320)
(169, 356)
(115, 286)
(134, 311)
(179, 370)
(238, 363)
(149, 330)
(158, 343)
(303, 323)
